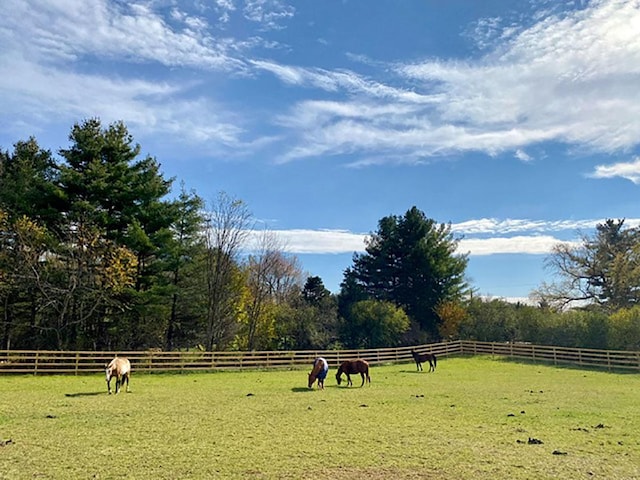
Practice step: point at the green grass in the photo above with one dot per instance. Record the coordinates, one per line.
(472, 419)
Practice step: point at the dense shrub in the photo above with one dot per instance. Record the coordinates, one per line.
(500, 321)
(624, 329)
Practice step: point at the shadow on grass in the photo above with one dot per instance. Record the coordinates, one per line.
(305, 389)
(84, 394)
(302, 389)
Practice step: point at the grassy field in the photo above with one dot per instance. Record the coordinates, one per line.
(475, 418)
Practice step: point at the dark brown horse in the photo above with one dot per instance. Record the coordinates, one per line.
(353, 366)
(120, 368)
(425, 357)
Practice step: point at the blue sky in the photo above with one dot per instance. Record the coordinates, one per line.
(516, 122)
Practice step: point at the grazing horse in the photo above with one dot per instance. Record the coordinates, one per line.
(319, 372)
(425, 357)
(121, 369)
(353, 366)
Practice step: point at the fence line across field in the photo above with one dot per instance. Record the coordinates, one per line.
(80, 362)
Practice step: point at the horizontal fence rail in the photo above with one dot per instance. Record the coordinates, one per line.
(610, 359)
(82, 362)
(60, 362)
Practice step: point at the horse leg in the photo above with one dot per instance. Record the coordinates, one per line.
(126, 379)
(349, 383)
(418, 365)
(109, 386)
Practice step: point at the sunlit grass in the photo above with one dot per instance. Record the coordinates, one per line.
(472, 419)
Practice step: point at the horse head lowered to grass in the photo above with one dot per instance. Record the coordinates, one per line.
(120, 368)
(353, 366)
(319, 372)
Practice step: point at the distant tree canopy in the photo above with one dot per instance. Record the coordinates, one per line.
(95, 254)
(603, 271)
(102, 229)
(375, 323)
(410, 261)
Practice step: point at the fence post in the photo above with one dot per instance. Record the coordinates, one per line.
(35, 371)
(555, 359)
(77, 361)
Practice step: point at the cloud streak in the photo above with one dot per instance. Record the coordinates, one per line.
(494, 241)
(627, 170)
(570, 77)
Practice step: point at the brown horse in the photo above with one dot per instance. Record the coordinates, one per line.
(120, 368)
(425, 357)
(353, 366)
(319, 372)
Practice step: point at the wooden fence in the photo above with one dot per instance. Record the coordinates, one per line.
(609, 359)
(57, 362)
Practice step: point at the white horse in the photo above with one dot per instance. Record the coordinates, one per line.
(121, 369)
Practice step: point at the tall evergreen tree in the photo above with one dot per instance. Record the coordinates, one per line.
(412, 262)
(28, 183)
(105, 185)
(186, 245)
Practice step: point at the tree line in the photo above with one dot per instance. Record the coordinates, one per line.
(97, 251)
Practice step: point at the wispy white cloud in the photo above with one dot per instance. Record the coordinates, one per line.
(495, 239)
(341, 81)
(485, 31)
(571, 77)
(301, 241)
(626, 170)
(522, 155)
(338, 241)
(65, 31)
(149, 106)
(45, 77)
(268, 13)
(530, 245)
(563, 76)
(493, 226)
(224, 9)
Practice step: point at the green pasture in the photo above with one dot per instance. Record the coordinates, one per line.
(474, 418)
